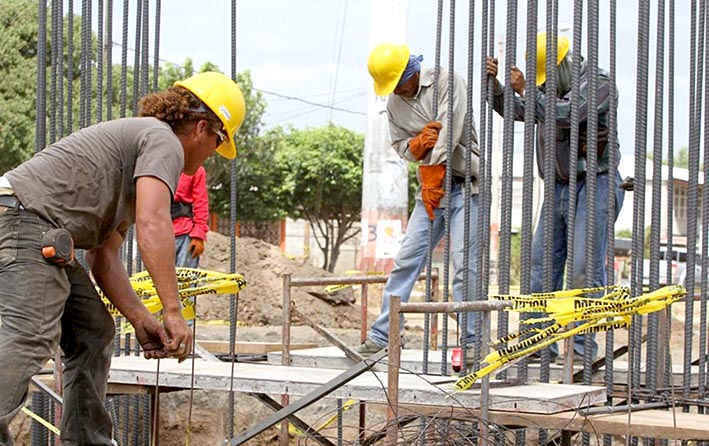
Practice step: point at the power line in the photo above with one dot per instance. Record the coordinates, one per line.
(302, 112)
(279, 95)
(339, 53)
(315, 104)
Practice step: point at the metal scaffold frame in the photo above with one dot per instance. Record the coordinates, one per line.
(651, 379)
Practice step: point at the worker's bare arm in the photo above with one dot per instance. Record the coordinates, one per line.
(112, 278)
(156, 243)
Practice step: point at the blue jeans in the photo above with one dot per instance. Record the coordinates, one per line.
(183, 256)
(412, 259)
(561, 218)
(42, 307)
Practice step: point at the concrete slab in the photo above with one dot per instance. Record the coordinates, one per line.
(412, 361)
(413, 389)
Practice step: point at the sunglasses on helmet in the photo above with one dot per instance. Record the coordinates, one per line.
(221, 136)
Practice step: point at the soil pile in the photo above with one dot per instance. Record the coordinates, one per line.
(263, 265)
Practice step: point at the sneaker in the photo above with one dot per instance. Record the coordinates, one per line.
(368, 347)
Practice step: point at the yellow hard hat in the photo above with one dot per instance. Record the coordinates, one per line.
(386, 64)
(562, 48)
(224, 98)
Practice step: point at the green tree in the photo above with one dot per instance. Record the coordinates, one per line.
(322, 181)
(681, 158)
(18, 93)
(624, 233)
(18, 89)
(260, 192)
(515, 258)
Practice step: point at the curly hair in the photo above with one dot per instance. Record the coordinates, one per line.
(177, 107)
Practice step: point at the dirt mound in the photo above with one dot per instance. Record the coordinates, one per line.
(263, 266)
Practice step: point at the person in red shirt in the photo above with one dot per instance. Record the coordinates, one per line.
(190, 211)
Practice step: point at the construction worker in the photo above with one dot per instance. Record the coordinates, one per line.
(90, 187)
(606, 177)
(420, 136)
(190, 212)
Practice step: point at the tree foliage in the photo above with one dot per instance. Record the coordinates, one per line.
(681, 159)
(322, 181)
(18, 90)
(315, 174)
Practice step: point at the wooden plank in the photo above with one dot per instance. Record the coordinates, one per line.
(370, 386)
(645, 423)
(250, 348)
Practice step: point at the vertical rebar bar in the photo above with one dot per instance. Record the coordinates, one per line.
(156, 51)
(108, 49)
(100, 62)
(573, 169)
(41, 123)
(505, 244)
(613, 148)
(56, 48)
(692, 194)
(233, 301)
(653, 348)
(592, 178)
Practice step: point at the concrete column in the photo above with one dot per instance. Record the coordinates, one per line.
(385, 182)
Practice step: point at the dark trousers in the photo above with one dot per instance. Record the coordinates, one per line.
(43, 306)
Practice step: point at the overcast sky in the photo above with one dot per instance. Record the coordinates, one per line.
(316, 50)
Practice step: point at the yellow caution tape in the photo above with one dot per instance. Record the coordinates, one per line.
(191, 282)
(345, 406)
(55, 430)
(356, 272)
(613, 310)
(330, 289)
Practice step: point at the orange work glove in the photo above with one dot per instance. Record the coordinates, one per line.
(432, 186)
(196, 247)
(420, 144)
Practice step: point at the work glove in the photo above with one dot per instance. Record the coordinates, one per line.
(196, 247)
(420, 144)
(432, 186)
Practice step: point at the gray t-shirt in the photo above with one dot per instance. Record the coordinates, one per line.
(86, 181)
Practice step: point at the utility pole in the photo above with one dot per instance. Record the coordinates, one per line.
(385, 178)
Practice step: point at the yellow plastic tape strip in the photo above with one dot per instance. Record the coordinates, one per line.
(191, 282)
(55, 430)
(346, 406)
(607, 314)
(334, 288)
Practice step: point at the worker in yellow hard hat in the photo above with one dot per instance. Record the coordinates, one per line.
(562, 62)
(84, 192)
(607, 176)
(420, 136)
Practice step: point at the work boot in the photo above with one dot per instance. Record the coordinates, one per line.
(368, 347)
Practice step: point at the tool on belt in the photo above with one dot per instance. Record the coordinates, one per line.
(58, 247)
